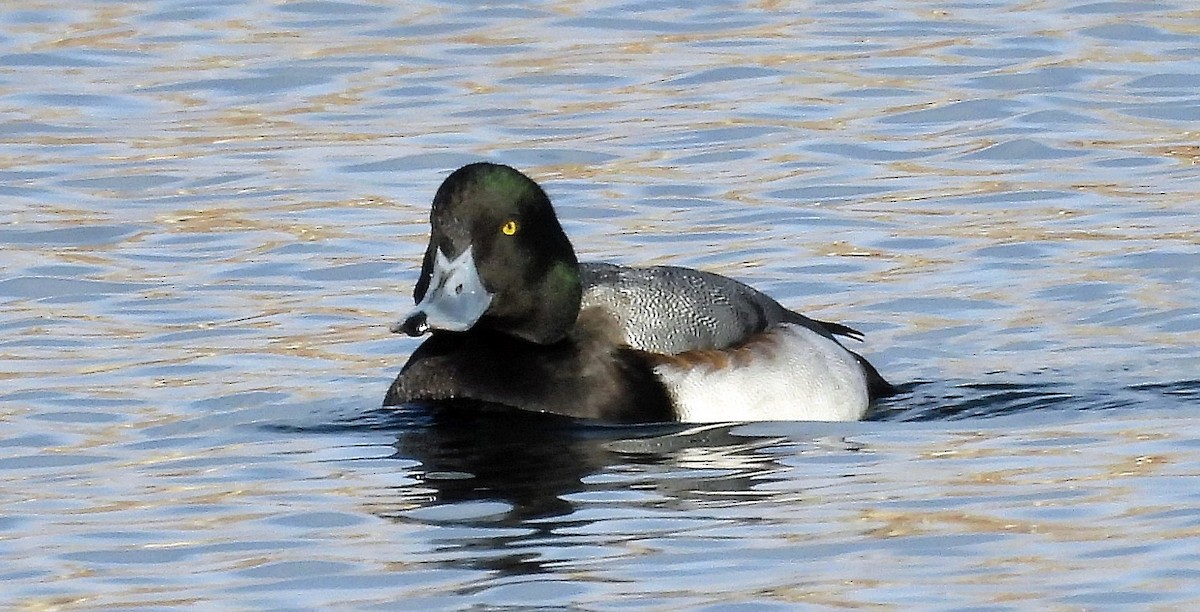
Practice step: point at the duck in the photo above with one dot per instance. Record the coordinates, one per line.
(515, 321)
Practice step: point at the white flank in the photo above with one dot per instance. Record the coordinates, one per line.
(798, 375)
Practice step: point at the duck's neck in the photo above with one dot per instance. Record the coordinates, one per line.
(551, 307)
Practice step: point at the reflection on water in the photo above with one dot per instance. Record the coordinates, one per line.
(532, 461)
(518, 460)
(524, 503)
(209, 213)
(508, 486)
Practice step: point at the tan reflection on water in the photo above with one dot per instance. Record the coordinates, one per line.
(254, 257)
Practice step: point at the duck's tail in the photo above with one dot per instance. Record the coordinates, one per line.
(877, 387)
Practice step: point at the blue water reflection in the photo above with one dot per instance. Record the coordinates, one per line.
(210, 212)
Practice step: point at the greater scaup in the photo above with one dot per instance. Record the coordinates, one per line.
(517, 321)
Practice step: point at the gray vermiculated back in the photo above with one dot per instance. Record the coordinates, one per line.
(665, 309)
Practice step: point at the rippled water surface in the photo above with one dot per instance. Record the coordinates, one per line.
(209, 213)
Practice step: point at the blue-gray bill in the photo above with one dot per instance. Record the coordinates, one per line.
(455, 300)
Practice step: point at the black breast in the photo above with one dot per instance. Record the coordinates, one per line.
(587, 375)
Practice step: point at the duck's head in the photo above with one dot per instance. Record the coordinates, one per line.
(497, 259)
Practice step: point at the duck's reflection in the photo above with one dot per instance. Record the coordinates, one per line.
(511, 485)
(526, 461)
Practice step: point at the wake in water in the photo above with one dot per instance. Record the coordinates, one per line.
(926, 401)
(917, 401)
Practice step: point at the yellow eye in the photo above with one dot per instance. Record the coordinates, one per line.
(509, 228)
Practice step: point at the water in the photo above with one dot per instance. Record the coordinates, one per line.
(210, 212)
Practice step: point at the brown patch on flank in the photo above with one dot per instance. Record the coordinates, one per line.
(717, 359)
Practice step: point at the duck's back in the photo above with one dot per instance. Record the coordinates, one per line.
(708, 318)
(671, 310)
